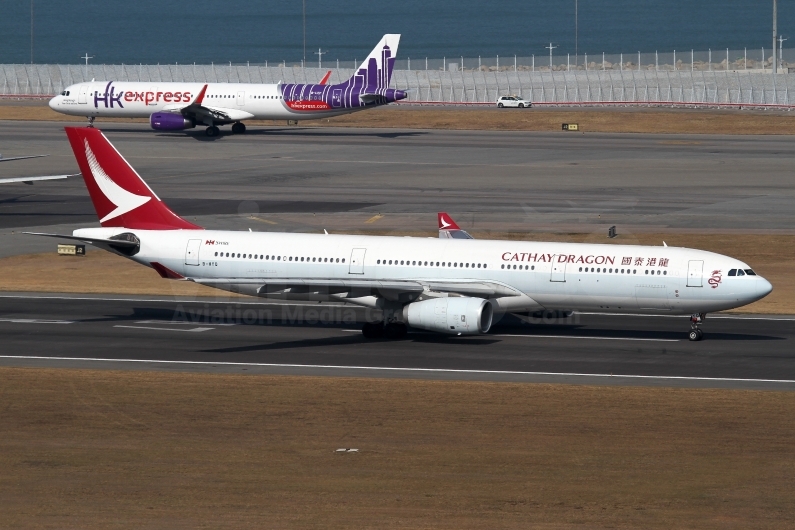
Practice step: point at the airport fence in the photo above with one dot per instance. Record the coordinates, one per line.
(479, 86)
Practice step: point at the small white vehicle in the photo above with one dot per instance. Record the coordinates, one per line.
(513, 101)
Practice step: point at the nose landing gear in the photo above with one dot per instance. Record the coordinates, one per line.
(696, 320)
(238, 128)
(91, 122)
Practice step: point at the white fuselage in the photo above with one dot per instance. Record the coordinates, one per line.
(552, 276)
(141, 100)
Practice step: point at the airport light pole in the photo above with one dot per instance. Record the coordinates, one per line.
(550, 48)
(576, 33)
(87, 57)
(781, 40)
(303, 17)
(31, 31)
(319, 54)
(775, 14)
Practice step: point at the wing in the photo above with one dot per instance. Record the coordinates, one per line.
(19, 157)
(392, 290)
(197, 108)
(30, 180)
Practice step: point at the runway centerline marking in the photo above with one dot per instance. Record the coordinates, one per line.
(35, 321)
(194, 330)
(407, 369)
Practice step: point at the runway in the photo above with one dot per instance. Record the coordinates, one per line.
(321, 339)
(308, 179)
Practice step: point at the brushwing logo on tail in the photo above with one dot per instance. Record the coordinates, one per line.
(123, 200)
(445, 224)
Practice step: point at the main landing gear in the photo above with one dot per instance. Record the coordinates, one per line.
(377, 330)
(212, 130)
(696, 320)
(238, 128)
(91, 121)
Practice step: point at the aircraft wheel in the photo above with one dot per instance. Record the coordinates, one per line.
(395, 330)
(694, 335)
(700, 334)
(238, 128)
(212, 131)
(373, 330)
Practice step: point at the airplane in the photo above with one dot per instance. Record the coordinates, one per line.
(448, 229)
(29, 180)
(174, 106)
(449, 285)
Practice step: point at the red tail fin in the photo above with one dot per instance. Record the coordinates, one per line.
(325, 78)
(119, 194)
(446, 222)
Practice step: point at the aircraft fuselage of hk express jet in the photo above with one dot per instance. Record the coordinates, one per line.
(174, 106)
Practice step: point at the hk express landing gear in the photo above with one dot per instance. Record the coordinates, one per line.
(695, 330)
(212, 130)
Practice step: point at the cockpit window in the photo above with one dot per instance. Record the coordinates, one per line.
(749, 272)
(740, 272)
(733, 272)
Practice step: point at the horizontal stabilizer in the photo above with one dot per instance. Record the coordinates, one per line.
(125, 247)
(29, 180)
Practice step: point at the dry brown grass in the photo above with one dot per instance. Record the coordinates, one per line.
(668, 121)
(101, 272)
(83, 449)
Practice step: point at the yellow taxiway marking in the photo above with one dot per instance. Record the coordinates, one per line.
(255, 218)
(373, 219)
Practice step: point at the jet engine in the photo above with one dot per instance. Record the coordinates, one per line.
(166, 121)
(453, 315)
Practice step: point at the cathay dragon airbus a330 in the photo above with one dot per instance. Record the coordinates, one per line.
(176, 106)
(448, 285)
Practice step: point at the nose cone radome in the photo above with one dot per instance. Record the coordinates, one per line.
(53, 103)
(763, 288)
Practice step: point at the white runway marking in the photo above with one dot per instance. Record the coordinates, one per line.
(35, 321)
(551, 336)
(178, 322)
(195, 330)
(415, 370)
(581, 337)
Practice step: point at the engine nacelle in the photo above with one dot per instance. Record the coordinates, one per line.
(166, 121)
(453, 315)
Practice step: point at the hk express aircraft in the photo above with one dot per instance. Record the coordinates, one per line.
(177, 106)
(448, 284)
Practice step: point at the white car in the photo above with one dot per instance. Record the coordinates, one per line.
(513, 101)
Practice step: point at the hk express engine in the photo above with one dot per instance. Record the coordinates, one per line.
(166, 121)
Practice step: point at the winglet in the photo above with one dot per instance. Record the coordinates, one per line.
(325, 78)
(446, 222)
(200, 97)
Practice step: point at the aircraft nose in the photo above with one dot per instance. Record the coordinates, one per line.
(762, 288)
(53, 103)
